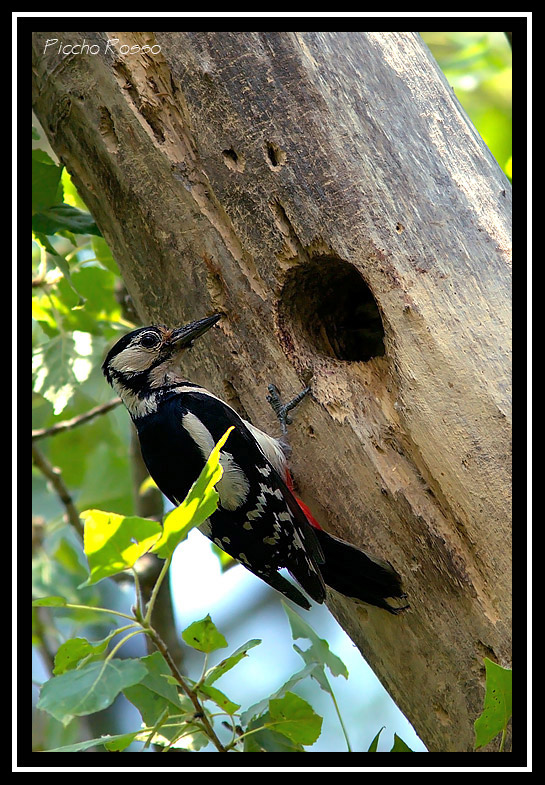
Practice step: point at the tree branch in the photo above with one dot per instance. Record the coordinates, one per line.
(67, 425)
(53, 474)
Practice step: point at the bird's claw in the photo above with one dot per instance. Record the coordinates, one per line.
(282, 410)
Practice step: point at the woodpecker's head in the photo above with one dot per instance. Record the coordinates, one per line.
(148, 359)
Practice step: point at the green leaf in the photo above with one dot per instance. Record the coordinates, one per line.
(46, 181)
(219, 699)
(314, 667)
(188, 737)
(266, 739)
(113, 543)
(64, 218)
(120, 742)
(260, 707)
(43, 241)
(316, 658)
(48, 602)
(163, 709)
(399, 745)
(104, 255)
(198, 505)
(64, 267)
(69, 556)
(158, 700)
(112, 743)
(225, 665)
(157, 682)
(319, 650)
(53, 577)
(89, 689)
(204, 636)
(374, 744)
(83, 300)
(295, 718)
(497, 703)
(73, 650)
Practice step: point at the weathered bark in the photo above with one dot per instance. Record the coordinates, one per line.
(291, 181)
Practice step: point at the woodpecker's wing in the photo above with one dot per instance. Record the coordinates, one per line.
(258, 520)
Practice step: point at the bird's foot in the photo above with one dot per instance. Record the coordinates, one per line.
(282, 409)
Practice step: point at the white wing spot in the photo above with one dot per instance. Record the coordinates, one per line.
(199, 433)
(234, 486)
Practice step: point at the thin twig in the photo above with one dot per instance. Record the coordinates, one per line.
(67, 425)
(53, 474)
(199, 711)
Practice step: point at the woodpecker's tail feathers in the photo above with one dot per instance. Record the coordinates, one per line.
(308, 574)
(281, 584)
(356, 574)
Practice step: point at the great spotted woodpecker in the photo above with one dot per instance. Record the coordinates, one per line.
(259, 521)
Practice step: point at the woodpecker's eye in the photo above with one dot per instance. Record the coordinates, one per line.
(149, 340)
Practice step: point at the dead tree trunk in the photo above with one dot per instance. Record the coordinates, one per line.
(326, 192)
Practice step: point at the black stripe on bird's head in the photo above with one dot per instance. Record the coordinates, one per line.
(142, 360)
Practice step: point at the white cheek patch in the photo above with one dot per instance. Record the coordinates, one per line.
(234, 486)
(133, 359)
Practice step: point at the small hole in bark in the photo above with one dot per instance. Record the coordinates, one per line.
(233, 160)
(327, 304)
(276, 157)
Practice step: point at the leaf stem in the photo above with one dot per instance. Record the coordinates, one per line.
(203, 674)
(138, 609)
(98, 610)
(123, 641)
(341, 720)
(155, 591)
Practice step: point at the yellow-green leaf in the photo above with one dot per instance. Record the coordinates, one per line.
(198, 505)
(497, 703)
(113, 543)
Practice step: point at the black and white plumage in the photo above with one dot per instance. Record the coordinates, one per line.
(259, 521)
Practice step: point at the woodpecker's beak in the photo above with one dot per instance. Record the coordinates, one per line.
(183, 337)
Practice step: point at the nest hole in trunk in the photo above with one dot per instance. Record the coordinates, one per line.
(327, 305)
